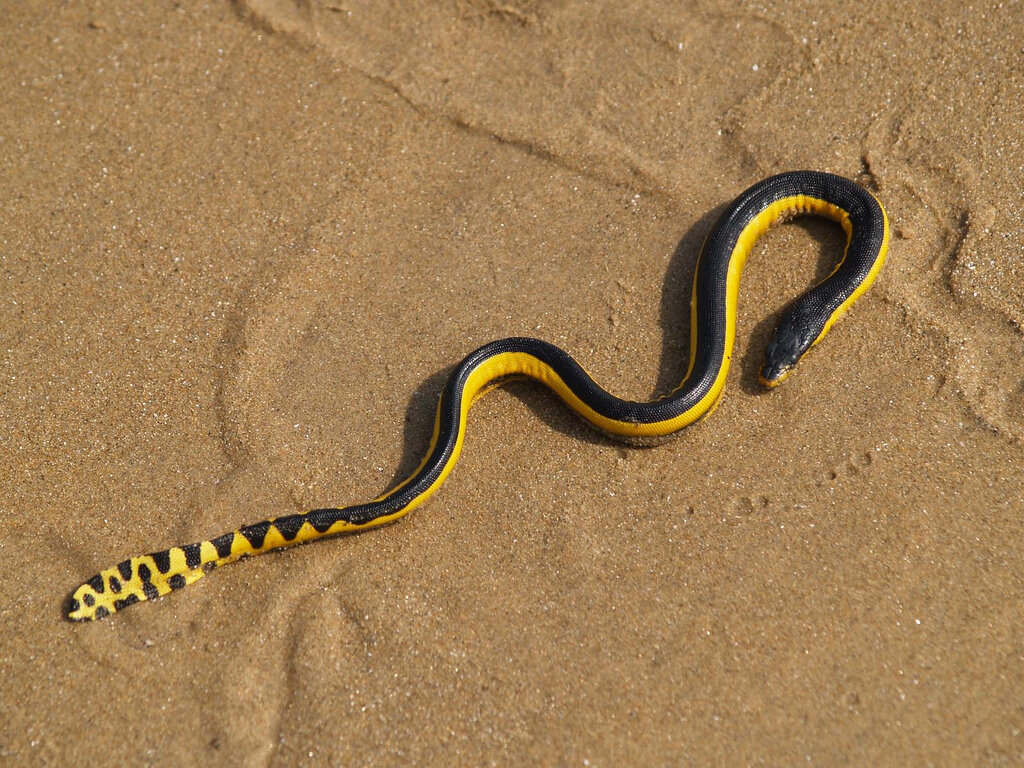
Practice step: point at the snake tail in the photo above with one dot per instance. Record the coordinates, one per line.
(713, 303)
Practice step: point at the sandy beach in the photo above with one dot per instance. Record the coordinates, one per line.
(242, 246)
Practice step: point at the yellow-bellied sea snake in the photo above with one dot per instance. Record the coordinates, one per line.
(716, 284)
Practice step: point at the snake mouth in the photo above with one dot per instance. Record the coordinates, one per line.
(772, 375)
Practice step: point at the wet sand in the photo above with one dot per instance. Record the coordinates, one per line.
(243, 243)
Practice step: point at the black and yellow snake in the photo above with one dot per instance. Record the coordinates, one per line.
(716, 285)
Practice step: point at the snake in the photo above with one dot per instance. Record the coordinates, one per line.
(713, 309)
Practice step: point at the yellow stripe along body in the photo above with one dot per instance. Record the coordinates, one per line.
(713, 331)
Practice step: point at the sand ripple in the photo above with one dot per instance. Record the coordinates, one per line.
(542, 75)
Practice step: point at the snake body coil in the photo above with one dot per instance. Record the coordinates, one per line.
(713, 328)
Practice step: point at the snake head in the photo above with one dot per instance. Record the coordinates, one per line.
(794, 335)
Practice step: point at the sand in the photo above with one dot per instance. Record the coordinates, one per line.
(243, 244)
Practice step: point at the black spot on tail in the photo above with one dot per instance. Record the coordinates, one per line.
(125, 569)
(96, 582)
(128, 600)
(115, 584)
(289, 526)
(146, 575)
(255, 534)
(223, 544)
(192, 556)
(74, 606)
(102, 612)
(89, 600)
(162, 560)
(177, 581)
